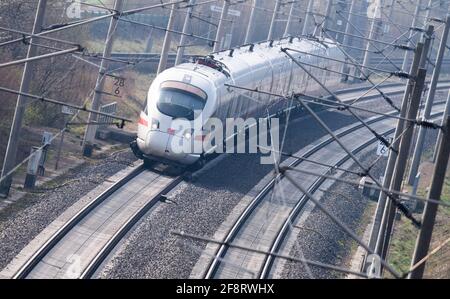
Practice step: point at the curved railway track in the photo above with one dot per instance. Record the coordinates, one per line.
(265, 223)
(81, 245)
(91, 235)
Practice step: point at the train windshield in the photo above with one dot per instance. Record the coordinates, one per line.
(180, 100)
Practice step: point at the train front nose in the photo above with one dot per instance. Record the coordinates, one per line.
(170, 146)
(157, 143)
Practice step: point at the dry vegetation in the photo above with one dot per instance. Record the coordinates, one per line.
(63, 78)
(404, 237)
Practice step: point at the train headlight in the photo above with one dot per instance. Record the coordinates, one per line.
(155, 124)
(188, 134)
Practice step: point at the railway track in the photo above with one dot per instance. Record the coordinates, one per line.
(79, 247)
(266, 222)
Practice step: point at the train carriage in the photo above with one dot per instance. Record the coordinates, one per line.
(198, 91)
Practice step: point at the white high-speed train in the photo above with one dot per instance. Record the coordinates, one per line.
(201, 86)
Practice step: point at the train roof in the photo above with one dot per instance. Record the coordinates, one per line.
(239, 61)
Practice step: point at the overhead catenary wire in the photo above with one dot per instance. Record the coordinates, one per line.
(281, 256)
(408, 214)
(39, 57)
(393, 43)
(374, 45)
(399, 74)
(322, 101)
(165, 29)
(338, 222)
(23, 33)
(66, 26)
(385, 97)
(5, 176)
(391, 147)
(402, 195)
(61, 103)
(311, 161)
(357, 117)
(371, 40)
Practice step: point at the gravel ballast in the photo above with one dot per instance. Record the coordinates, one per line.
(153, 252)
(197, 207)
(321, 239)
(23, 220)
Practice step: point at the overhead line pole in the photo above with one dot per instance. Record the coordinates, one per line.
(362, 36)
(308, 17)
(289, 23)
(430, 212)
(167, 41)
(252, 22)
(428, 35)
(347, 38)
(91, 129)
(400, 166)
(274, 19)
(397, 203)
(62, 27)
(440, 135)
(376, 22)
(9, 161)
(165, 29)
(429, 104)
(392, 158)
(326, 23)
(414, 24)
(221, 26)
(388, 219)
(186, 25)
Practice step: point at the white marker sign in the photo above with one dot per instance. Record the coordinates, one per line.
(68, 110)
(383, 150)
(74, 11)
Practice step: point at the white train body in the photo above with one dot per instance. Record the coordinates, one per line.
(201, 86)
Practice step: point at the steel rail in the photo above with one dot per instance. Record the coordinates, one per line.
(77, 218)
(283, 233)
(221, 252)
(265, 191)
(102, 255)
(127, 226)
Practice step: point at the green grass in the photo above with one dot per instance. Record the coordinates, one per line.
(428, 154)
(402, 245)
(446, 191)
(446, 196)
(404, 238)
(77, 131)
(120, 45)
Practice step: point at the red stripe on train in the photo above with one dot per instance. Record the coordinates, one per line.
(143, 121)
